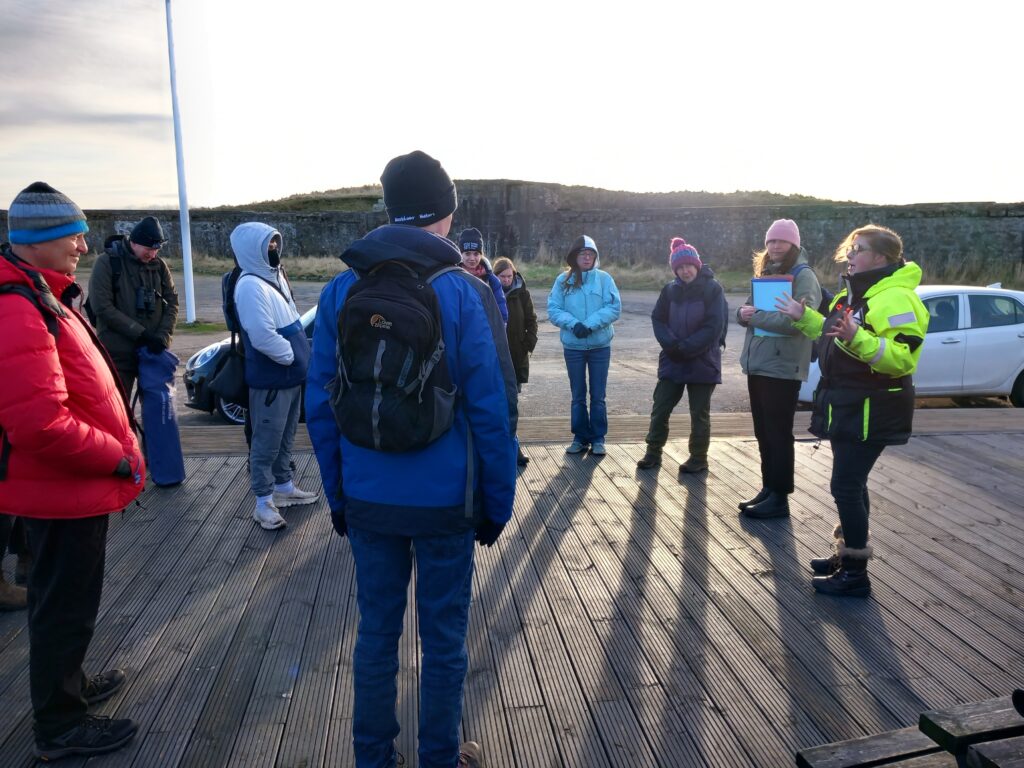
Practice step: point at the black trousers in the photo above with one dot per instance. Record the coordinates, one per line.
(773, 406)
(63, 599)
(851, 465)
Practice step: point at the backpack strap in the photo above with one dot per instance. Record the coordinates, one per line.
(116, 267)
(48, 313)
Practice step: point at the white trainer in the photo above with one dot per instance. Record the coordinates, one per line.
(267, 516)
(294, 497)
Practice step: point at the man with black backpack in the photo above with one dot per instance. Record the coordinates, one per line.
(132, 300)
(411, 407)
(276, 359)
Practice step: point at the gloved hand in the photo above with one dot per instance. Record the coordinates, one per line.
(123, 468)
(338, 521)
(488, 532)
(580, 331)
(152, 342)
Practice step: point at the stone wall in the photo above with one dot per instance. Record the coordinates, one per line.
(530, 221)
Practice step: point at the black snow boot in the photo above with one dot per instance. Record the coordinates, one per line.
(851, 580)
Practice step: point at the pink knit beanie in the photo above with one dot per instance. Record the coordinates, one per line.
(681, 252)
(783, 229)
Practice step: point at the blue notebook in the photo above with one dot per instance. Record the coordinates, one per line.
(765, 291)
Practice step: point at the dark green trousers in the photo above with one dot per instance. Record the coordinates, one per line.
(667, 395)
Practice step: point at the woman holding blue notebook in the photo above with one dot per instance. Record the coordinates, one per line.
(775, 358)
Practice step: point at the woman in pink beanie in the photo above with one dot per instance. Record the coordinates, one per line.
(775, 364)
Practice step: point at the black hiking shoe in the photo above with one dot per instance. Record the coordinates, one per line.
(102, 686)
(650, 460)
(825, 566)
(758, 498)
(773, 505)
(851, 580)
(693, 466)
(93, 736)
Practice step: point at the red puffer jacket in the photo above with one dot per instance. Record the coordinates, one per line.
(61, 411)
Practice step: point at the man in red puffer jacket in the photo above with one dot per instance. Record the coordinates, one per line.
(69, 458)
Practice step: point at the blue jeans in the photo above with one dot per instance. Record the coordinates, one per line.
(588, 427)
(444, 576)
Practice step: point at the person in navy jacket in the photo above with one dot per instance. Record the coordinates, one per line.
(688, 319)
(432, 501)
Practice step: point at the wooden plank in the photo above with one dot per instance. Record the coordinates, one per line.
(1004, 753)
(956, 728)
(882, 749)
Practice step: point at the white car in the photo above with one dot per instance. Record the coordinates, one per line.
(974, 345)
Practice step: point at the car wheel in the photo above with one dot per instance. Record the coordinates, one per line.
(232, 413)
(1017, 395)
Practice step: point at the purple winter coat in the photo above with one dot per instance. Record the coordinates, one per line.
(688, 320)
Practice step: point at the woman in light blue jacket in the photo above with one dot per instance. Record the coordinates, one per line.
(584, 302)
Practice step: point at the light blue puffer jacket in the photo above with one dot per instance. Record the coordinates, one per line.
(596, 304)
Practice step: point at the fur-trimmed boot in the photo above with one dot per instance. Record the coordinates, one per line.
(851, 580)
(12, 598)
(826, 566)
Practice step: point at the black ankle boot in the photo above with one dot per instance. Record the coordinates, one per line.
(650, 460)
(851, 580)
(522, 459)
(773, 505)
(825, 566)
(761, 496)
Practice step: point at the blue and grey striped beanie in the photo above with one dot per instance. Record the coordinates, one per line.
(40, 213)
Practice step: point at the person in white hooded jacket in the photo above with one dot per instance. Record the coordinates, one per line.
(276, 360)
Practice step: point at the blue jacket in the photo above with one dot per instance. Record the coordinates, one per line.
(688, 321)
(596, 304)
(422, 492)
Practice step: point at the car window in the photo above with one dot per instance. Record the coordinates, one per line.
(944, 312)
(988, 311)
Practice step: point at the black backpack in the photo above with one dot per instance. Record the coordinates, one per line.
(393, 391)
(115, 278)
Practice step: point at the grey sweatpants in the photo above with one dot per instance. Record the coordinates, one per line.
(275, 416)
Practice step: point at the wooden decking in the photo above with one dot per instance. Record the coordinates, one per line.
(624, 618)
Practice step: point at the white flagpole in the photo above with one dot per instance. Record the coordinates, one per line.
(186, 233)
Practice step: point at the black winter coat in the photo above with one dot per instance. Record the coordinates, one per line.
(688, 319)
(521, 328)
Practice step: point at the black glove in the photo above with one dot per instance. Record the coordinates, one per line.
(488, 532)
(123, 469)
(152, 342)
(580, 331)
(338, 521)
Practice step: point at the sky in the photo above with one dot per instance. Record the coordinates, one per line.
(881, 102)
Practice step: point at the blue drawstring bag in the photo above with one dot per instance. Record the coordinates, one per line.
(160, 437)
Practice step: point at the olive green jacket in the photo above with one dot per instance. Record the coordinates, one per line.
(787, 356)
(119, 325)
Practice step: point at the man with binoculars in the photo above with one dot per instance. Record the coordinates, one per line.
(132, 296)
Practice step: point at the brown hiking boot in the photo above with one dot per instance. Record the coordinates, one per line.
(12, 598)
(693, 466)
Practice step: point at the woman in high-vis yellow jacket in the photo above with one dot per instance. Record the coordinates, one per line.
(870, 344)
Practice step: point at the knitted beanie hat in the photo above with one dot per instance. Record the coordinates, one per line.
(40, 213)
(681, 252)
(148, 233)
(783, 229)
(417, 190)
(581, 243)
(471, 240)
